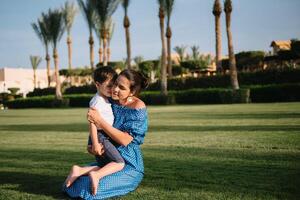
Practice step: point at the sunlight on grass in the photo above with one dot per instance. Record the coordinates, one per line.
(191, 152)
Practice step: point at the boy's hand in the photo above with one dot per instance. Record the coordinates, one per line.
(98, 149)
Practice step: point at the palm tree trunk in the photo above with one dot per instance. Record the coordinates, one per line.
(169, 35)
(48, 68)
(34, 78)
(100, 54)
(69, 42)
(163, 69)
(91, 42)
(128, 46)
(232, 61)
(218, 43)
(108, 53)
(104, 50)
(58, 93)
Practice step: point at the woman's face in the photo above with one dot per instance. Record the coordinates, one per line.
(121, 89)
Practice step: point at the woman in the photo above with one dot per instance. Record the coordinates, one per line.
(128, 132)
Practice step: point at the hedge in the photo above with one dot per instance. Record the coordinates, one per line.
(265, 77)
(257, 94)
(275, 93)
(38, 102)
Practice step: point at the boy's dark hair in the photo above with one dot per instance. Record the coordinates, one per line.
(101, 74)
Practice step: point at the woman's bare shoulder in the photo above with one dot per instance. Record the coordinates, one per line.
(137, 104)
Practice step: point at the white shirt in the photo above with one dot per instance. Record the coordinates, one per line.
(103, 107)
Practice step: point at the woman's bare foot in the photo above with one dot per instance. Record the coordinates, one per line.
(94, 182)
(74, 174)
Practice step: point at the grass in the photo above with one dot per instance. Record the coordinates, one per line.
(242, 151)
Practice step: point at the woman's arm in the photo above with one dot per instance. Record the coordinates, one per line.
(118, 136)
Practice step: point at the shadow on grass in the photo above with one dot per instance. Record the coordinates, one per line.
(47, 185)
(170, 169)
(83, 128)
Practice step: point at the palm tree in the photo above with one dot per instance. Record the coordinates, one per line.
(70, 11)
(169, 8)
(35, 61)
(180, 50)
(232, 61)
(163, 67)
(195, 52)
(41, 30)
(56, 28)
(87, 10)
(111, 28)
(217, 10)
(97, 28)
(105, 10)
(138, 60)
(126, 24)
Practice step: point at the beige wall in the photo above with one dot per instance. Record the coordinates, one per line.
(23, 79)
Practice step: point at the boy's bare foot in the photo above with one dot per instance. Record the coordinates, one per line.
(94, 182)
(74, 174)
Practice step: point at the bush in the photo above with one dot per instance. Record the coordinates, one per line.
(155, 98)
(38, 102)
(41, 92)
(275, 93)
(86, 89)
(265, 77)
(81, 100)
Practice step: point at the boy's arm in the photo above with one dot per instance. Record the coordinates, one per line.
(96, 147)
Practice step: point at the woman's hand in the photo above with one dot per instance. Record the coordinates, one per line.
(94, 117)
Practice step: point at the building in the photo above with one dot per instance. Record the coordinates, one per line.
(23, 79)
(279, 45)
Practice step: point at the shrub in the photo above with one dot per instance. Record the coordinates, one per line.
(41, 92)
(80, 100)
(275, 93)
(38, 102)
(155, 98)
(85, 89)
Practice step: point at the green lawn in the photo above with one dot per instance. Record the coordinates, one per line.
(191, 152)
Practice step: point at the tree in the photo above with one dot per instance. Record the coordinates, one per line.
(163, 67)
(180, 50)
(35, 61)
(41, 30)
(105, 10)
(87, 10)
(138, 60)
(232, 61)
(70, 11)
(111, 28)
(97, 28)
(217, 11)
(126, 24)
(56, 28)
(169, 8)
(195, 52)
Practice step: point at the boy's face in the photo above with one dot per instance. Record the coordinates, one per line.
(105, 87)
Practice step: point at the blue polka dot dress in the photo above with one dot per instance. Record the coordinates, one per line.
(134, 122)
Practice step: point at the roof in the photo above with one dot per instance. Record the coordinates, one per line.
(282, 44)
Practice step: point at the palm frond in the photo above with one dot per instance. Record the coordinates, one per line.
(105, 9)
(35, 61)
(55, 25)
(88, 12)
(41, 30)
(125, 4)
(70, 11)
(169, 4)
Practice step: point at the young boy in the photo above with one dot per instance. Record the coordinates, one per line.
(111, 158)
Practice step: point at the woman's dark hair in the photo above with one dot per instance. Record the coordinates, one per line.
(138, 81)
(101, 74)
